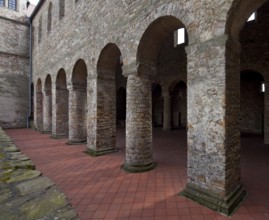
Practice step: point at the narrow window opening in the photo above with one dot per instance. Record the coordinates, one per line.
(262, 87)
(40, 30)
(61, 9)
(252, 17)
(12, 4)
(49, 17)
(179, 37)
(2, 3)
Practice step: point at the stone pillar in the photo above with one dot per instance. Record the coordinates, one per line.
(213, 175)
(138, 122)
(101, 118)
(167, 112)
(266, 113)
(77, 114)
(60, 113)
(38, 110)
(47, 111)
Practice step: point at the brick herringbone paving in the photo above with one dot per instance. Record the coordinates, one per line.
(99, 189)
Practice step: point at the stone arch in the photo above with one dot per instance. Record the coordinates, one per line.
(49, 17)
(151, 41)
(78, 103)
(79, 74)
(47, 105)
(61, 106)
(139, 119)
(178, 92)
(104, 125)
(238, 15)
(38, 105)
(109, 59)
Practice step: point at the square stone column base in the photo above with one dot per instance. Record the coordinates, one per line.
(140, 168)
(96, 153)
(226, 206)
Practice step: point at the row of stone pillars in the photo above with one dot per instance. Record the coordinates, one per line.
(213, 174)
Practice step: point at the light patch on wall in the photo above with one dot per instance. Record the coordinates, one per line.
(263, 87)
(252, 17)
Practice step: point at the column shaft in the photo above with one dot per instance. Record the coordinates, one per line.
(47, 111)
(138, 125)
(77, 116)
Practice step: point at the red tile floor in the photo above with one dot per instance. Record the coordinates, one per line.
(99, 189)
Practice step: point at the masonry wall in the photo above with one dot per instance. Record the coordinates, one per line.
(14, 68)
(86, 28)
(138, 28)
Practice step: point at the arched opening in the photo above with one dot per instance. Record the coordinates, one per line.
(38, 107)
(254, 100)
(108, 66)
(78, 104)
(61, 99)
(178, 92)
(161, 58)
(121, 107)
(246, 48)
(157, 106)
(251, 103)
(47, 106)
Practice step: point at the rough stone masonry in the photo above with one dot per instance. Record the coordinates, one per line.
(24, 192)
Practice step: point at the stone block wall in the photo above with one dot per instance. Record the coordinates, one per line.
(14, 68)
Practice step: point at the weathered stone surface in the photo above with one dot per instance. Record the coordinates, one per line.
(143, 31)
(34, 185)
(50, 202)
(14, 68)
(22, 175)
(24, 193)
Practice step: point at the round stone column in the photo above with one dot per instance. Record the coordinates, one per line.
(138, 124)
(60, 113)
(167, 117)
(77, 115)
(47, 111)
(38, 115)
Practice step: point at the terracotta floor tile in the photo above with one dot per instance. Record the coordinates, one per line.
(98, 189)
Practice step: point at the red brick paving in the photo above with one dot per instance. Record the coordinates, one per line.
(98, 189)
